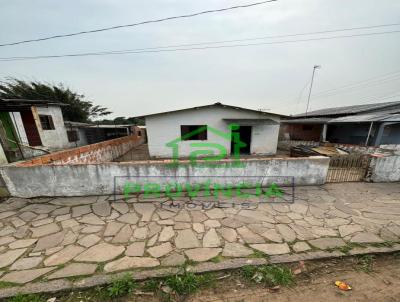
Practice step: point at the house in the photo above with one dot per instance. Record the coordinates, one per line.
(30, 127)
(179, 132)
(370, 124)
(81, 134)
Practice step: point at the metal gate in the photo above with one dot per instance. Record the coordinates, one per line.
(352, 167)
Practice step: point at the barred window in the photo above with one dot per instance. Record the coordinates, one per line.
(72, 135)
(47, 122)
(193, 132)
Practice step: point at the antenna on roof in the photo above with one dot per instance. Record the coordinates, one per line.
(263, 109)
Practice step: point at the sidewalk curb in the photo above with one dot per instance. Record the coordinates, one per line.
(228, 264)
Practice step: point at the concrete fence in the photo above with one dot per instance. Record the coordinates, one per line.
(94, 153)
(287, 144)
(107, 178)
(385, 169)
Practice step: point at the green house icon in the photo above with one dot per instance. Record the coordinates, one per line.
(206, 150)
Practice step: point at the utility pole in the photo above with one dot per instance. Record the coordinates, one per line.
(312, 81)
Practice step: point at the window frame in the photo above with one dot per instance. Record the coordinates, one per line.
(76, 133)
(48, 124)
(201, 136)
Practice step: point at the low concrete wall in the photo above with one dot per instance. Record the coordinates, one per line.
(98, 179)
(287, 144)
(94, 153)
(385, 169)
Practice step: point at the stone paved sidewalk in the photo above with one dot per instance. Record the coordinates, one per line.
(52, 238)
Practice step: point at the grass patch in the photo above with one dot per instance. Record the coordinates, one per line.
(151, 285)
(365, 263)
(348, 247)
(26, 298)
(270, 275)
(121, 286)
(100, 267)
(383, 244)
(4, 284)
(258, 254)
(217, 259)
(188, 282)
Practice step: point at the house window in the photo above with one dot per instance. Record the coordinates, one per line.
(193, 132)
(47, 122)
(72, 135)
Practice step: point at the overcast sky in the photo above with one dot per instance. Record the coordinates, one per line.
(272, 77)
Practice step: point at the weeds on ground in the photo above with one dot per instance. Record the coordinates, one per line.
(258, 254)
(365, 263)
(217, 259)
(188, 283)
(270, 275)
(121, 286)
(26, 298)
(4, 284)
(348, 247)
(383, 244)
(151, 285)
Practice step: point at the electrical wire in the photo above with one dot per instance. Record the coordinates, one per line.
(136, 24)
(139, 51)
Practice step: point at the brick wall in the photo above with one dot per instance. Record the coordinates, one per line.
(95, 153)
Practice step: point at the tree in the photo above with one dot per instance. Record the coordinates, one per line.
(78, 109)
(123, 120)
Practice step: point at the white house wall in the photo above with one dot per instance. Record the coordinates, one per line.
(54, 139)
(19, 126)
(82, 141)
(164, 128)
(264, 139)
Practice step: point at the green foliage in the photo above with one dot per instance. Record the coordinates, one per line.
(122, 120)
(151, 285)
(78, 109)
(258, 254)
(121, 286)
(270, 275)
(217, 259)
(365, 263)
(188, 283)
(26, 298)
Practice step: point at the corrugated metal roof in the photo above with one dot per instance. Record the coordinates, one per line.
(392, 118)
(364, 118)
(311, 120)
(347, 110)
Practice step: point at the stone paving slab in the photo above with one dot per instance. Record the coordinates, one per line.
(79, 236)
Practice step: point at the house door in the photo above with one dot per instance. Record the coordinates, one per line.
(245, 137)
(31, 130)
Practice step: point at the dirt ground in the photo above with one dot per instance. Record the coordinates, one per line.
(382, 284)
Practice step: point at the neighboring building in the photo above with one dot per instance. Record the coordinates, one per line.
(181, 129)
(30, 128)
(80, 134)
(76, 133)
(35, 123)
(371, 124)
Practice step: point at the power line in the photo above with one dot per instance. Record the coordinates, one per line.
(236, 40)
(376, 78)
(351, 87)
(136, 24)
(362, 81)
(358, 87)
(165, 49)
